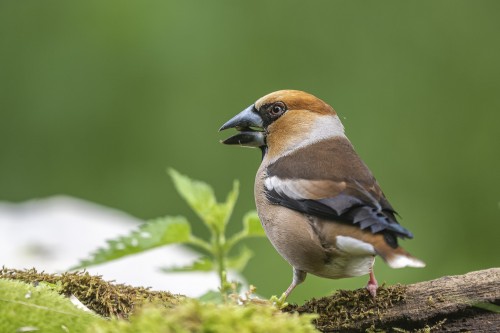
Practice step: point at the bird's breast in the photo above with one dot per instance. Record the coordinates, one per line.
(308, 243)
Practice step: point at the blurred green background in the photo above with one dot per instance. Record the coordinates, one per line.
(98, 98)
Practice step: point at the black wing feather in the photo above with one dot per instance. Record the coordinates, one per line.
(344, 208)
(361, 202)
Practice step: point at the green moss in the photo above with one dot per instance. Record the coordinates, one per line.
(130, 309)
(24, 307)
(106, 299)
(195, 316)
(341, 310)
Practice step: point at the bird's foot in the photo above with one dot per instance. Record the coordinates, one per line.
(372, 289)
(280, 302)
(372, 285)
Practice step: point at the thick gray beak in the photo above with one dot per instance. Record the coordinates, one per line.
(249, 125)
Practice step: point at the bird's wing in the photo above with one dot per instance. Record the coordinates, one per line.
(329, 180)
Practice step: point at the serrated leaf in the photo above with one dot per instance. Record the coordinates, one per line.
(252, 226)
(152, 234)
(221, 212)
(203, 264)
(201, 198)
(239, 261)
(199, 195)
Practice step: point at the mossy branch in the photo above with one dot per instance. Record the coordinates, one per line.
(104, 298)
(469, 302)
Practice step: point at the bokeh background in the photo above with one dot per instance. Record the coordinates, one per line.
(98, 98)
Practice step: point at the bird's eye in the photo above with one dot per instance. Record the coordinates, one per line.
(277, 109)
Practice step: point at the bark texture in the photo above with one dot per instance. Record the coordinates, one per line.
(463, 303)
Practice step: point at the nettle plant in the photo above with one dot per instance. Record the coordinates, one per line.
(218, 250)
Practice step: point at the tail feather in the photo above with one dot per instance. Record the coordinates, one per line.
(400, 261)
(399, 257)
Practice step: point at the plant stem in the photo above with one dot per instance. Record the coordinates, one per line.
(220, 257)
(200, 243)
(234, 239)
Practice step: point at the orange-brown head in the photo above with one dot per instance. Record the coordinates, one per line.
(282, 120)
(295, 100)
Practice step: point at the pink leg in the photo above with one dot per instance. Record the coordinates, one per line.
(298, 277)
(372, 283)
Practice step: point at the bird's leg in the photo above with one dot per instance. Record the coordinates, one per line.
(298, 277)
(372, 283)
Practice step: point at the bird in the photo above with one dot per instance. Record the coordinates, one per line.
(319, 204)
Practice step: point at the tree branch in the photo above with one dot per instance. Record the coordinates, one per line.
(469, 302)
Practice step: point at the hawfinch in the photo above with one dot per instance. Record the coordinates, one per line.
(319, 204)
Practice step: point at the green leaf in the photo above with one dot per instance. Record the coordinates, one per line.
(201, 198)
(231, 201)
(252, 226)
(199, 195)
(487, 306)
(239, 261)
(212, 296)
(152, 234)
(221, 212)
(203, 264)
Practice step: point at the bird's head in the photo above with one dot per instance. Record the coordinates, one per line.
(284, 119)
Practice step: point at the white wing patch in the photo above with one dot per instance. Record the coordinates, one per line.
(288, 187)
(303, 188)
(354, 246)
